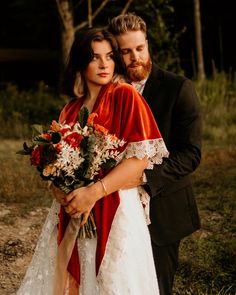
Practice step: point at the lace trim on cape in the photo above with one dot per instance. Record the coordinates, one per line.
(155, 149)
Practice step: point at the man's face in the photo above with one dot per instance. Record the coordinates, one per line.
(134, 48)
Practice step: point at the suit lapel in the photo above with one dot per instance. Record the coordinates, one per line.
(151, 89)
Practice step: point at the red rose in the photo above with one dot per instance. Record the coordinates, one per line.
(36, 156)
(58, 148)
(64, 130)
(74, 139)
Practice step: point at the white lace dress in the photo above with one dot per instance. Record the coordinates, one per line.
(127, 267)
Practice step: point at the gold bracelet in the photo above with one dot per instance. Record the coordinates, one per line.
(104, 187)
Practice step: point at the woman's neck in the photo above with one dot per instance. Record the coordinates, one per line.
(91, 97)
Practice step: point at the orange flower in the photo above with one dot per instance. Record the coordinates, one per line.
(101, 129)
(55, 126)
(91, 118)
(113, 137)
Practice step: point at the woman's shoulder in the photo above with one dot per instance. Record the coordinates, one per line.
(125, 90)
(71, 103)
(123, 86)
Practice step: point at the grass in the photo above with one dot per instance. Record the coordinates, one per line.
(19, 182)
(218, 101)
(208, 257)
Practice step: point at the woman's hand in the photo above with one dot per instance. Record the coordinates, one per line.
(58, 194)
(126, 174)
(80, 202)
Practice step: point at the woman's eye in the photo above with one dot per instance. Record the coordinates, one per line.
(95, 57)
(110, 56)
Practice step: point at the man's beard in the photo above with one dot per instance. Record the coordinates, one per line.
(139, 73)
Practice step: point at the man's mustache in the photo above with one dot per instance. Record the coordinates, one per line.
(135, 64)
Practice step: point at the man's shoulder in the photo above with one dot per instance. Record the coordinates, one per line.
(166, 76)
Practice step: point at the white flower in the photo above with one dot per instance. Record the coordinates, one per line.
(69, 159)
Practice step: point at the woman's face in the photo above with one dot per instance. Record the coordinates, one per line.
(101, 69)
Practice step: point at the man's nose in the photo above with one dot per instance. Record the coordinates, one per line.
(134, 56)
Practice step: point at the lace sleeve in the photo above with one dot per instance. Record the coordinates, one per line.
(155, 149)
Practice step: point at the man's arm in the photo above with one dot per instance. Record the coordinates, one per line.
(185, 142)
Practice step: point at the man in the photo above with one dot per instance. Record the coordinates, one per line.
(175, 106)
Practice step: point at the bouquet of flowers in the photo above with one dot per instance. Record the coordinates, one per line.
(71, 156)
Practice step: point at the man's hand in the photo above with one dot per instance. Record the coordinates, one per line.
(134, 182)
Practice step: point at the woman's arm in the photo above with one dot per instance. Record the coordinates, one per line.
(82, 200)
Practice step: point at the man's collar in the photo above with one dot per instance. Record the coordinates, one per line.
(139, 86)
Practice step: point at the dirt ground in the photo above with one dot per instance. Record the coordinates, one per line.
(18, 236)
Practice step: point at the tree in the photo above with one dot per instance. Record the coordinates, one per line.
(198, 40)
(66, 12)
(67, 34)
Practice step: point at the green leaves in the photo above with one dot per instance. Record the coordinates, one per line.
(83, 116)
(26, 150)
(38, 129)
(40, 140)
(109, 163)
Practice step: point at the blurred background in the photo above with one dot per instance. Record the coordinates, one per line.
(190, 37)
(32, 34)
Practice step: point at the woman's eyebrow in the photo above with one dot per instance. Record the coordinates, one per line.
(110, 52)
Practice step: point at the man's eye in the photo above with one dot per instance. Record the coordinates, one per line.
(140, 48)
(124, 51)
(95, 57)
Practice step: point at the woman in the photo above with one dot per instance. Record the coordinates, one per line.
(119, 260)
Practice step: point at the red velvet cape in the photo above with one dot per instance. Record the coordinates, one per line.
(125, 113)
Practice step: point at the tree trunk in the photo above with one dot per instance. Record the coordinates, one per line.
(67, 40)
(68, 30)
(90, 20)
(68, 26)
(198, 38)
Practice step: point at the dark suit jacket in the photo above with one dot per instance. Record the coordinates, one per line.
(176, 108)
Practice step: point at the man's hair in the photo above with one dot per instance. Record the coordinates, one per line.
(127, 22)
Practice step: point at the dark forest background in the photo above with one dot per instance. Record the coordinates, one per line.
(28, 25)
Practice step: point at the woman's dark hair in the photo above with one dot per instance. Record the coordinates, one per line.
(81, 54)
